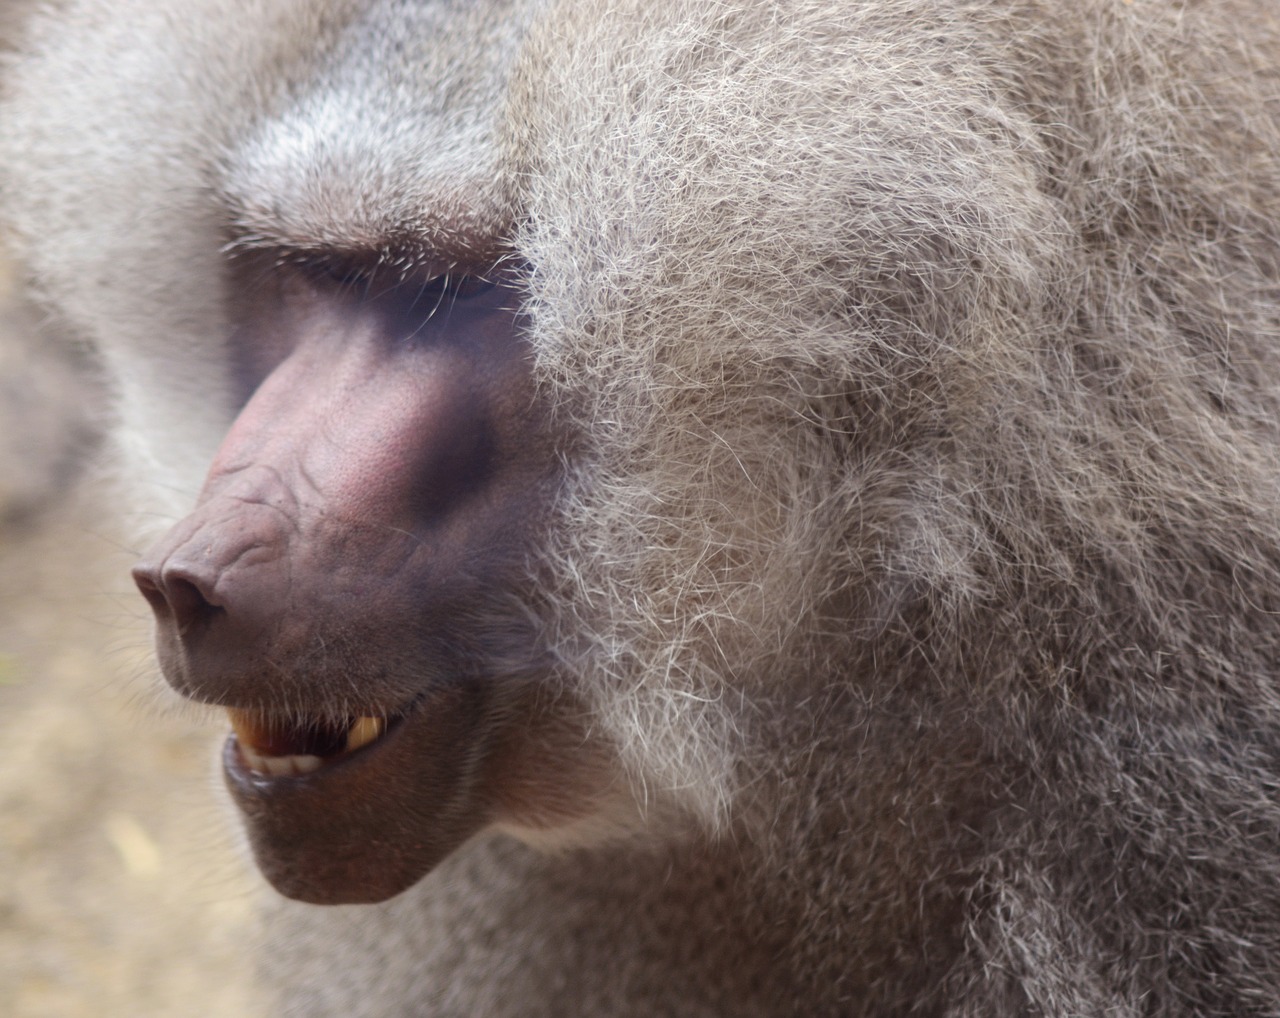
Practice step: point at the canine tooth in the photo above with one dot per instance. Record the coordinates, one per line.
(363, 732)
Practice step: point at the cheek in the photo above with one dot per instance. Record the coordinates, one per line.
(551, 781)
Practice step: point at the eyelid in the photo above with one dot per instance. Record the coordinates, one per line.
(468, 284)
(445, 288)
(367, 280)
(331, 270)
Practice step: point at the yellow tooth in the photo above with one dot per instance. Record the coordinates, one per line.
(363, 732)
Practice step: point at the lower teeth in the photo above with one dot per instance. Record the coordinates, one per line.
(279, 766)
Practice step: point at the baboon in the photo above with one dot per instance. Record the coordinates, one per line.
(696, 508)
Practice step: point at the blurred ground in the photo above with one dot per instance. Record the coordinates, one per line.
(121, 891)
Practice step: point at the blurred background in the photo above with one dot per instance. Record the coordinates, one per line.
(123, 890)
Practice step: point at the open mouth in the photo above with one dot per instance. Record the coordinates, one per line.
(341, 810)
(279, 747)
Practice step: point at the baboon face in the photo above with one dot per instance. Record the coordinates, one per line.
(359, 581)
(349, 583)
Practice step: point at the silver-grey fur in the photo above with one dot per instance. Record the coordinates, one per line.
(923, 541)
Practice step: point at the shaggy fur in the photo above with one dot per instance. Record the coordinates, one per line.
(919, 367)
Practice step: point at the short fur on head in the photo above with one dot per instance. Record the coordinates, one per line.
(919, 367)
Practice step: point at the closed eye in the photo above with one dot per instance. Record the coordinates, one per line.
(365, 280)
(447, 288)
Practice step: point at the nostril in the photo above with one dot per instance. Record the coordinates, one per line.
(188, 603)
(150, 590)
(175, 596)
